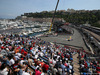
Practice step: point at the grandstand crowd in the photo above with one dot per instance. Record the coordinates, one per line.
(30, 55)
(89, 65)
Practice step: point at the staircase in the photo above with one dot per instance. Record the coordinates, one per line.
(76, 65)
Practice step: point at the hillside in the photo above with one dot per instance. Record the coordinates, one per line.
(76, 17)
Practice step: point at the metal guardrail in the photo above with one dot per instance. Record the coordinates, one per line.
(90, 73)
(70, 45)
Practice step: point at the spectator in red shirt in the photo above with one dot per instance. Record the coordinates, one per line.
(45, 67)
(25, 53)
(22, 51)
(37, 72)
(98, 69)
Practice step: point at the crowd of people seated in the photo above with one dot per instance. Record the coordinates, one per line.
(30, 55)
(88, 65)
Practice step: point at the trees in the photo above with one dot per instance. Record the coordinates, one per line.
(77, 17)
